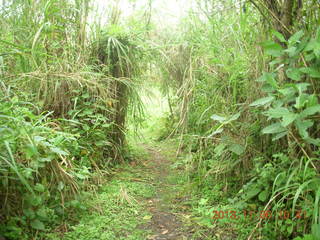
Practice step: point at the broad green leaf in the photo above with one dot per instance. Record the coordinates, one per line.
(41, 212)
(279, 36)
(224, 119)
(288, 91)
(310, 57)
(313, 141)
(29, 213)
(290, 229)
(302, 126)
(299, 238)
(262, 101)
(37, 224)
(46, 159)
(292, 51)
(311, 71)
(273, 128)
(58, 151)
(268, 78)
(263, 77)
(305, 237)
(272, 48)
(106, 125)
(302, 87)
(36, 200)
(60, 185)
(218, 118)
(220, 130)
(267, 88)
(304, 70)
(315, 73)
(31, 151)
(294, 74)
(263, 195)
(86, 127)
(219, 149)
(203, 201)
(38, 139)
(295, 37)
(88, 112)
(278, 112)
(100, 143)
(236, 148)
(81, 176)
(86, 95)
(234, 117)
(312, 100)
(252, 192)
(310, 111)
(279, 135)
(301, 101)
(275, 62)
(39, 187)
(312, 44)
(288, 118)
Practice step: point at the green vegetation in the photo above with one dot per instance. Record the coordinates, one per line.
(116, 210)
(249, 121)
(228, 93)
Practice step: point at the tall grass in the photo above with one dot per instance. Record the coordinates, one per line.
(223, 133)
(63, 106)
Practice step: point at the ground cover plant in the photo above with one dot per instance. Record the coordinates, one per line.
(199, 118)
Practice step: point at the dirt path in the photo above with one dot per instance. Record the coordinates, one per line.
(165, 222)
(143, 200)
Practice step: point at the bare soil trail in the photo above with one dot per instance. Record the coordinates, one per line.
(167, 206)
(145, 199)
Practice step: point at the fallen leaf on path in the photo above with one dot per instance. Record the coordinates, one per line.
(147, 217)
(165, 232)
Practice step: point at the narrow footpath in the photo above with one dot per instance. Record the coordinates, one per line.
(142, 200)
(166, 205)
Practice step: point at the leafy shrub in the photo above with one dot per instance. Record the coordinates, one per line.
(38, 176)
(291, 179)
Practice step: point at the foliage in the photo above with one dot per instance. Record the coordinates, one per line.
(294, 100)
(69, 87)
(116, 55)
(265, 151)
(115, 212)
(58, 112)
(292, 105)
(31, 147)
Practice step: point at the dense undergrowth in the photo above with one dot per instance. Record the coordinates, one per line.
(242, 97)
(248, 109)
(63, 106)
